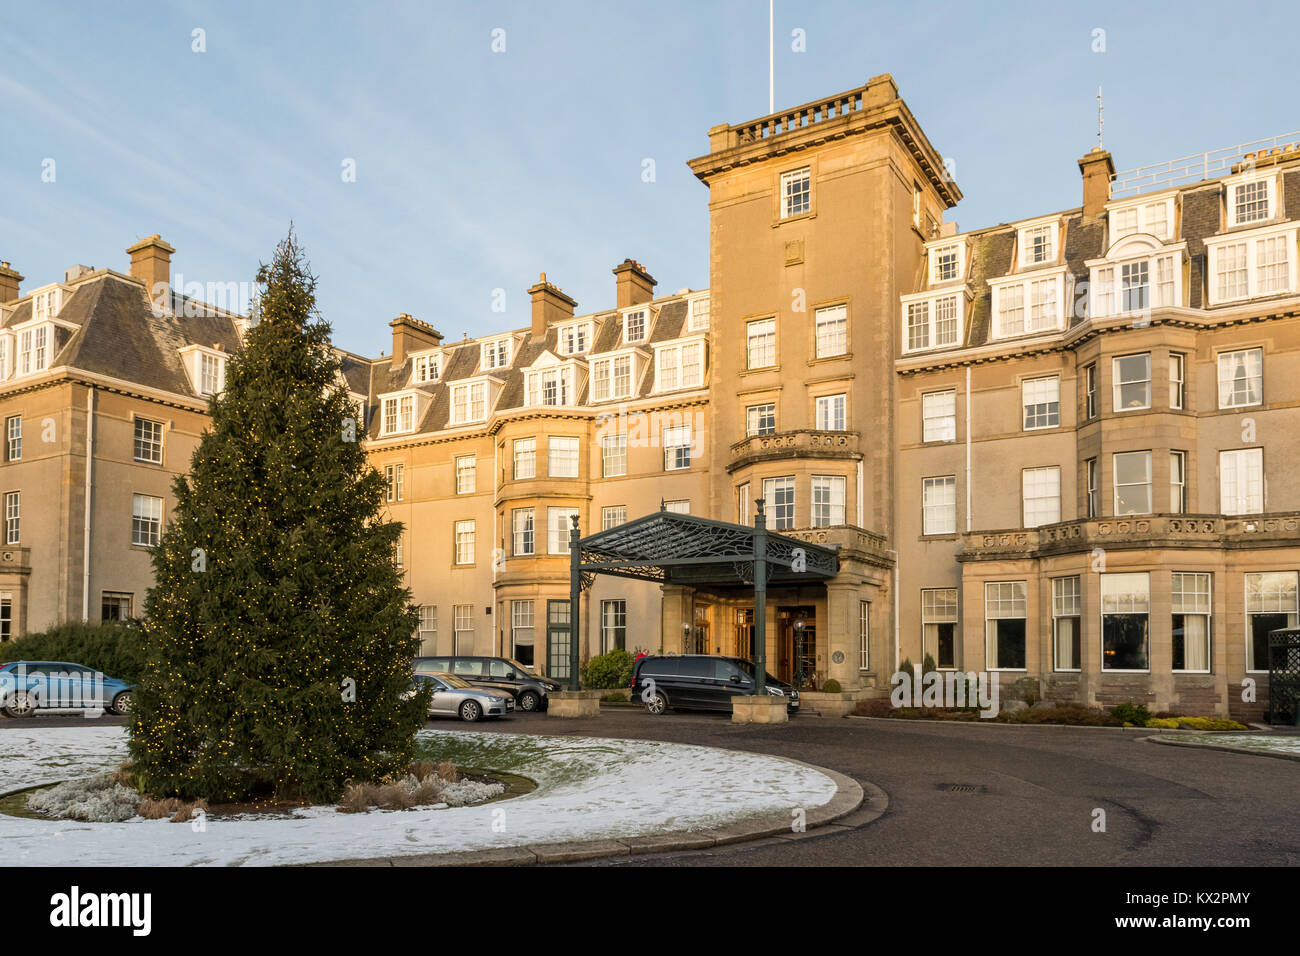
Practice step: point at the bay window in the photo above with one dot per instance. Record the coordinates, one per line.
(1190, 605)
(1271, 603)
(1004, 625)
(1066, 615)
(1125, 621)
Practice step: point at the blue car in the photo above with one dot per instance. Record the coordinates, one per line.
(30, 686)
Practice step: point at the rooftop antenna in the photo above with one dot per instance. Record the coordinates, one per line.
(1100, 121)
(771, 60)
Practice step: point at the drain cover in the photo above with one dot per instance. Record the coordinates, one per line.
(961, 788)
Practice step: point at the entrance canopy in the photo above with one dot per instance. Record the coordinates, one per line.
(674, 548)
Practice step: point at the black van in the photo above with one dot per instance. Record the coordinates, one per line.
(701, 682)
(498, 673)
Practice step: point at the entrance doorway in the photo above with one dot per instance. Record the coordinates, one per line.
(797, 646)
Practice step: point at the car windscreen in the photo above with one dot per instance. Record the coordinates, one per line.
(524, 671)
(453, 681)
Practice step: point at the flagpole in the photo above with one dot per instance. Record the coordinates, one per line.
(771, 61)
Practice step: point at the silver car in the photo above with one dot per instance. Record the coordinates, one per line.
(454, 697)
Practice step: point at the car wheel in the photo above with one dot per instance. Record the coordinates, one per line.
(21, 704)
(656, 703)
(529, 700)
(122, 703)
(470, 711)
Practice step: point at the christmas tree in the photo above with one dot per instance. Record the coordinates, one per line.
(278, 634)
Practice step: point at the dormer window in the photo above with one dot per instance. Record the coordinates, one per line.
(46, 304)
(1037, 242)
(1244, 265)
(1028, 306)
(1251, 199)
(945, 263)
(206, 368)
(469, 403)
(679, 365)
(399, 415)
(1039, 245)
(575, 339)
(33, 349)
(635, 324)
(931, 322)
(613, 376)
(1153, 217)
(426, 368)
(495, 354)
(699, 315)
(550, 386)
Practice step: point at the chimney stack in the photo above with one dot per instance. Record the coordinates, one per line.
(9, 279)
(151, 263)
(550, 305)
(634, 286)
(411, 335)
(1098, 170)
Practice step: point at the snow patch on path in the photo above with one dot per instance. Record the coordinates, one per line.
(588, 789)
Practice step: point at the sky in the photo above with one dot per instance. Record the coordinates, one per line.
(478, 168)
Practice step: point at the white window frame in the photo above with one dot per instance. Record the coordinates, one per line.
(395, 481)
(832, 412)
(1067, 605)
(608, 381)
(1233, 185)
(1254, 378)
(523, 532)
(13, 517)
(782, 516)
(677, 447)
(557, 529)
(1115, 458)
(613, 618)
(754, 419)
(1040, 495)
(1011, 596)
(1242, 488)
(1196, 601)
(831, 331)
(1042, 392)
(864, 635)
(611, 516)
(464, 541)
(147, 439)
(697, 314)
(496, 353)
(936, 252)
(922, 324)
(796, 192)
(1143, 212)
(14, 438)
(613, 455)
(1117, 383)
(1045, 293)
(1132, 601)
(939, 416)
(939, 606)
(1177, 482)
(828, 500)
(1282, 597)
(679, 365)
(939, 505)
(469, 402)
(642, 314)
(397, 415)
(1251, 261)
(563, 449)
(426, 367)
(146, 520)
(524, 450)
(574, 339)
(466, 474)
(762, 354)
(1025, 234)
(462, 623)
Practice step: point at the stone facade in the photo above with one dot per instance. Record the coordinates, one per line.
(1046, 448)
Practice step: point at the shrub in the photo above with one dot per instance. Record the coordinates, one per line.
(832, 686)
(928, 664)
(1130, 713)
(97, 799)
(1165, 723)
(1209, 723)
(907, 668)
(115, 650)
(611, 671)
(1072, 714)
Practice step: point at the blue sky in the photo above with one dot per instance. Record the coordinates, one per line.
(477, 170)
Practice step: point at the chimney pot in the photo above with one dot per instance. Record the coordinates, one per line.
(411, 335)
(550, 305)
(9, 281)
(1098, 170)
(633, 285)
(151, 263)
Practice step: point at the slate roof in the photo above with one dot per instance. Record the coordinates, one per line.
(117, 334)
(992, 250)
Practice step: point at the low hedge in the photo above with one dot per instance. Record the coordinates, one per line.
(610, 671)
(116, 650)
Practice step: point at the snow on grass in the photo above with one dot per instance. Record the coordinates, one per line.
(588, 789)
(1256, 743)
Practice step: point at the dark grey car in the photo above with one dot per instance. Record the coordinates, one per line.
(497, 673)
